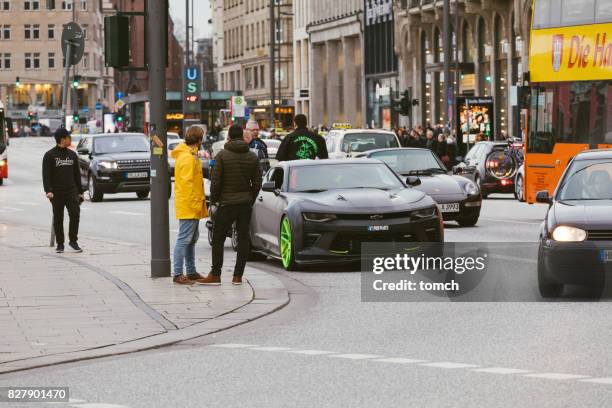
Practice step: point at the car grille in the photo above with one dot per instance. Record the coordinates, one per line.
(350, 244)
(600, 235)
(376, 217)
(133, 164)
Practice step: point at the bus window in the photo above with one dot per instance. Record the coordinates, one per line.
(603, 12)
(578, 12)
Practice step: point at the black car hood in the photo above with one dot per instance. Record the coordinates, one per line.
(586, 214)
(124, 156)
(362, 200)
(440, 184)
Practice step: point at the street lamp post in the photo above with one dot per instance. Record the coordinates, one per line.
(272, 62)
(448, 56)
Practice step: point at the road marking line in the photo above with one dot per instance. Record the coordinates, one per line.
(271, 348)
(399, 360)
(312, 352)
(446, 364)
(127, 213)
(511, 221)
(557, 376)
(501, 370)
(355, 356)
(606, 380)
(233, 345)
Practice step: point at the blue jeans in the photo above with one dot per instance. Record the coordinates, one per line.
(184, 250)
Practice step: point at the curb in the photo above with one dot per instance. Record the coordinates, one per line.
(269, 296)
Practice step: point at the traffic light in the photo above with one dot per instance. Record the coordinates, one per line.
(17, 81)
(75, 81)
(405, 104)
(75, 117)
(30, 116)
(119, 117)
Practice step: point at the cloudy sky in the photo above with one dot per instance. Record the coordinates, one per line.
(201, 17)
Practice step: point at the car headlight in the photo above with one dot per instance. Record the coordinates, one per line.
(108, 164)
(424, 213)
(471, 188)
(564, 233)
(318, 217)
(2, 163)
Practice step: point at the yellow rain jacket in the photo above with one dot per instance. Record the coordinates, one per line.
(189, 198)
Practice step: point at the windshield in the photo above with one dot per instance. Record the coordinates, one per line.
(121, 144)
(342, 176)
(588, 180)
(362, 142)
(405, 162)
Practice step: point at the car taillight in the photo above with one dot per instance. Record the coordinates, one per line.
(506, 182)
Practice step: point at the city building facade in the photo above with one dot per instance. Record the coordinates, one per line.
(335, 60)
(243, 56)
(30, 50)
(491, 57)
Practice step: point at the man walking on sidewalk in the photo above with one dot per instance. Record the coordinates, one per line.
(235, 183)
(190, 204)
(62, 184)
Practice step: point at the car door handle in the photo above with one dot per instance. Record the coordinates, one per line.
(260, 198)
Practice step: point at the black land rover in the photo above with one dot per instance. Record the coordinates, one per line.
(115, 163)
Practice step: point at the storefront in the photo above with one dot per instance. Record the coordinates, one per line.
(381, 67)
(284, 112)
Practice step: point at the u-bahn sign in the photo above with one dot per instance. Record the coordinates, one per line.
(192, 90)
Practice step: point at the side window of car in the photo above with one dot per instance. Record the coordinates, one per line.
(278, 177)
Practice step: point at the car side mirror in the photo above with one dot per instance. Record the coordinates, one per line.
(543, 197)
(457, 170)
(413, 181)
(269, 187)
(83, 151)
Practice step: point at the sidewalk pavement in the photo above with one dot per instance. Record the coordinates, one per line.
(69, 307)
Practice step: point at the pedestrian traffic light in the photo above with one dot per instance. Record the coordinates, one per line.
(17, 81)
(117, 41)
(75, 81)
(75, 117)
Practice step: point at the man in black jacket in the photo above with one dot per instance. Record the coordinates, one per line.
(302, 143)
(62, 184)
(235, 184)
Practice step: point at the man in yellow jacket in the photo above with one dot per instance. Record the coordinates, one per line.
(190, 204)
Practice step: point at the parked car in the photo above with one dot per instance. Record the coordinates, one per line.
(220, 143)
(115, 163)
(519, 184)
(576, 235)
(304, 216)
(342, 143)
(459, 199)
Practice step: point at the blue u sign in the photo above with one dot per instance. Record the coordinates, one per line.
(193, 73)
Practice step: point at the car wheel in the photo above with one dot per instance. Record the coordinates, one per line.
(95, 196)
(548, 287)
(142, 194)
(518, 189)
(468, 221)
(286, 245)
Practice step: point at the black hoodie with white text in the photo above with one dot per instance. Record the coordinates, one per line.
(61, 174)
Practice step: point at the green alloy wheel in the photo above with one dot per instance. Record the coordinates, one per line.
(286, 245)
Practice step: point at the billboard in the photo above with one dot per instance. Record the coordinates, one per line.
(475, 116)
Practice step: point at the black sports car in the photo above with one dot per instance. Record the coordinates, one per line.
(320, 211)
(576, 235)
(459, 198)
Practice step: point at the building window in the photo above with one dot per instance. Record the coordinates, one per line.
(5, 34)
(51, 31)
(262, 79)
(51, 60)
(67, 4)
(86, 61)
(31, 5)
(85, 27)
(5, 61)
(5, 5)
(32, 31)
(248, 78)
(32, 60)
(84, 5)
(256, 77)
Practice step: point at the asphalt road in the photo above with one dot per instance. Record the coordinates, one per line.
(330, 349)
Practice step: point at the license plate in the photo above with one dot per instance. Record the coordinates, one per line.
(454, 207)
(374, 228)
(137, 175)
(605, 255)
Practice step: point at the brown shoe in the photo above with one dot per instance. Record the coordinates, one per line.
(237, 280)
(210, 280)
(182, 280)
(194, 276)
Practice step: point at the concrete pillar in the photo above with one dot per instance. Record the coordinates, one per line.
(351, 76)
(317, 84)
(333, 97)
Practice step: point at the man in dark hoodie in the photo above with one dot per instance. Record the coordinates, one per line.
(302, 143)
(62, 184)
(235, 184)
